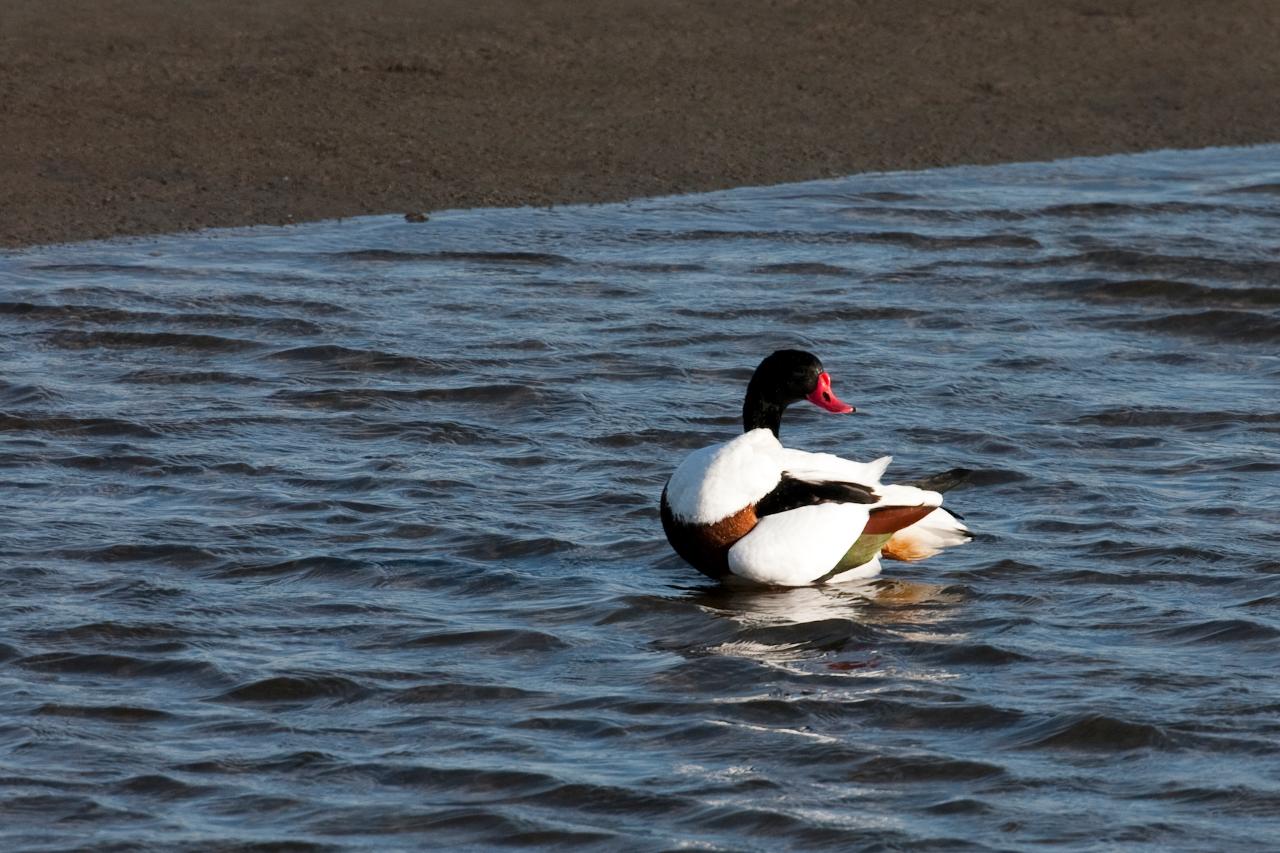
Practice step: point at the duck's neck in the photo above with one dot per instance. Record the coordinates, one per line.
(758, 413)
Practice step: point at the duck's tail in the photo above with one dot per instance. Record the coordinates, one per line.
(927, 537)
(938, 530)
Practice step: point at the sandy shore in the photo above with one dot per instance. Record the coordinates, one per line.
(138, 116)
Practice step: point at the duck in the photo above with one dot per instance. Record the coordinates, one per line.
(752, 510)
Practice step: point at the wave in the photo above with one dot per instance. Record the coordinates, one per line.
(1157, 417)
(1169, 292)
(391, 256)
(896, 769)
(122, 714)
(495, 641)
(361, 360)
(801, 268)
(453, 693)
(68, 425)
(121, 666)
(150, 340)
(1218, 631)
(296, 689)
(1092, 732)
(1231, 326)
(1157, 265)
(343, 399)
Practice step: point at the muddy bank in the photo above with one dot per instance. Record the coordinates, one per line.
(144, 116)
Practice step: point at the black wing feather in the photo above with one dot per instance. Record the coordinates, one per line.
(793, 493)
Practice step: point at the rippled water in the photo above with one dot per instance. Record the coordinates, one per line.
(345, 535)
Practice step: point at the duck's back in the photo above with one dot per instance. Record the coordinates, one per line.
(715, 482)
(709, 502)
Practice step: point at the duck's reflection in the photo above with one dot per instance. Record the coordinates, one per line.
(844, 628)
(875, 601)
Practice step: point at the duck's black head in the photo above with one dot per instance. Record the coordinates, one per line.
(785, 377)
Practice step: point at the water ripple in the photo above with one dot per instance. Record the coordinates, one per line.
(343, 537)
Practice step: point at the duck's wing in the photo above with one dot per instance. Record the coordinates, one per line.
(799, 546)
(903, 519)
(805, 528)
(813, 475)
(814, 532)
(792, 492)
(827, 467)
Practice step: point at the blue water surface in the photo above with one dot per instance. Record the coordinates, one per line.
(344, 536)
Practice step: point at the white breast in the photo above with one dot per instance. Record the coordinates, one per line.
(715, 482)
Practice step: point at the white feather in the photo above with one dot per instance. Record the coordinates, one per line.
(821, 467)
(797, 547)
(715, 482)
(895, 495)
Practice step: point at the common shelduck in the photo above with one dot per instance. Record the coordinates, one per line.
(751, 508)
